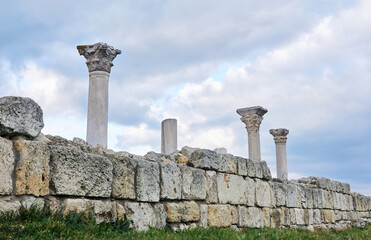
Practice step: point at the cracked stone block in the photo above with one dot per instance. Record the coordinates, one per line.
(250, 191)
(219, 215)
(141, 215)
(241, 166)
(266, 172)
(170, 181)
(231, 189)
(254, 168)
(263, 193)
(193, 183)
(148, 181)
(212, 187)
(279, 190)
(187, 211)
(203, 158)
(227, 163)
(76, 173)
(250, 217)
(6, 166)
(291, 196)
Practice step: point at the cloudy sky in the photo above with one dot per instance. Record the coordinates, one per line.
(308, 62)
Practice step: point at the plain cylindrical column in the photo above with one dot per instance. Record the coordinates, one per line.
(280, 140)
(252, 117)
(169, 142)
(99, 59)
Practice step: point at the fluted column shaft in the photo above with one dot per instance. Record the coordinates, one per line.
(280, 140)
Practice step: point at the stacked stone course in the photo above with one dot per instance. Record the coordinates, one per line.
(189, 188)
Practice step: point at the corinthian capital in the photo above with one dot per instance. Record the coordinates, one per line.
(279, 135)
(98, 56)
(252, 117)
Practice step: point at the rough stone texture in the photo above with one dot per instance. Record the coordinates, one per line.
(203, 158)
(267, 216)
(254, 168)
(297, 216)
(148, 181)
(231, 189)
(329, 201)
(123, 181)
(279, 190)
(227, 163)
(6, 166)
(203, 215)
(234, 212)
(250, 217)
(20, 116)
(328, 216)
(28, 201)
(250, 191)
(141, 215)
(212, 187)
(104, 211)
(9, 205)
(53, 203)
(120, 211)
(263, 193)
(291, 196)
(193, 183)
(77, 205)
(187, 211)
(32, 168)
(160, 215)
(241, 166)
(170, 181)
(219, 216)
(266, 173)
(76, 173)
(317, 218)
(187, 151)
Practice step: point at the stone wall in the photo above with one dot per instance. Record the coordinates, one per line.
(190, 188)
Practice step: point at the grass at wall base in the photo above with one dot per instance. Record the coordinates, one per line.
(34, 223)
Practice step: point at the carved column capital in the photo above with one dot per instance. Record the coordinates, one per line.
(279, 135)
(252, 117)
(98, 56)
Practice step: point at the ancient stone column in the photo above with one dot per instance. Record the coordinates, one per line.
(252, 117)
(169, 142)
(280, 139)
(99, 59)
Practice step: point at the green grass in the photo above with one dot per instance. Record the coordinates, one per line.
(34, 223)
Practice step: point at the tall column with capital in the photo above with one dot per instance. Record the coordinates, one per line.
(169, 141)
(252, 117)
(279, 136)
(99, 59)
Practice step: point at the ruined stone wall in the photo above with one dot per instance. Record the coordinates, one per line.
(190, 188)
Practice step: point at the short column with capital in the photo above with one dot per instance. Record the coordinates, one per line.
(252, 117)
(99, 59)
(279, 136)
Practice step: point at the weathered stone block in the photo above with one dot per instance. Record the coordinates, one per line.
(203, 158)
(203, 215)
(219, 216)
(328, 216)
(337, 200)
(309, 197)
(77, 205)
(359, 202)
(170, 181)
(32, 170)
(276, 218)
(123, 182)
(250, 217)
(308, 216)
(263, 193)
(267, 216)
(187, 211)
(241, 166)
(279, 190)
(329, 201)
(160, 215)
(9, 205)
(141, 215)
(317, 217)
(28, 201)
(212, 187)
(104, 211)
(250, 191)
(148, 181)
(254, 168)
(291, 198)
(6, 166)
(73, 172)
(231, 188)
(297, 216)
(227, 163)
(193, 183)
(234, 212)
(266, 172)
(301, 200)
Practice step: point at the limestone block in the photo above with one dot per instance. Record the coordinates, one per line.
(267, 216)
(279, 190)
(318, 198)
(141, 215)
(170, 181)
(250, 191)
(187, 151)
(32, 169)
(219, 216)
(227, 163)
(254, 168)
(203, 158)
(308, 197)
(73, 172)
(317, 218)
(187, 211)
(241, 166)
(276, 218)
(28, 201)
(328, 216)
(6, 166)
(203, 215)
(9, 205)
(291, 198)
(193, 183)
(77, 205)
(266, 172)
(286, 216)
(263, 193)
(324, 183)
(338, 215)
(160, 215)
(329, 201)
(120, 211)
(359, 202)
(250, 217)
(350, 202)
(148, 181)
(234, 212)
(308, 216)
(53, 203)
(231, 188)
(297, 216)
(20, 116)
(123, 182)
(337, 200)
(212, 187)
(301, 200)
(104, 211)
